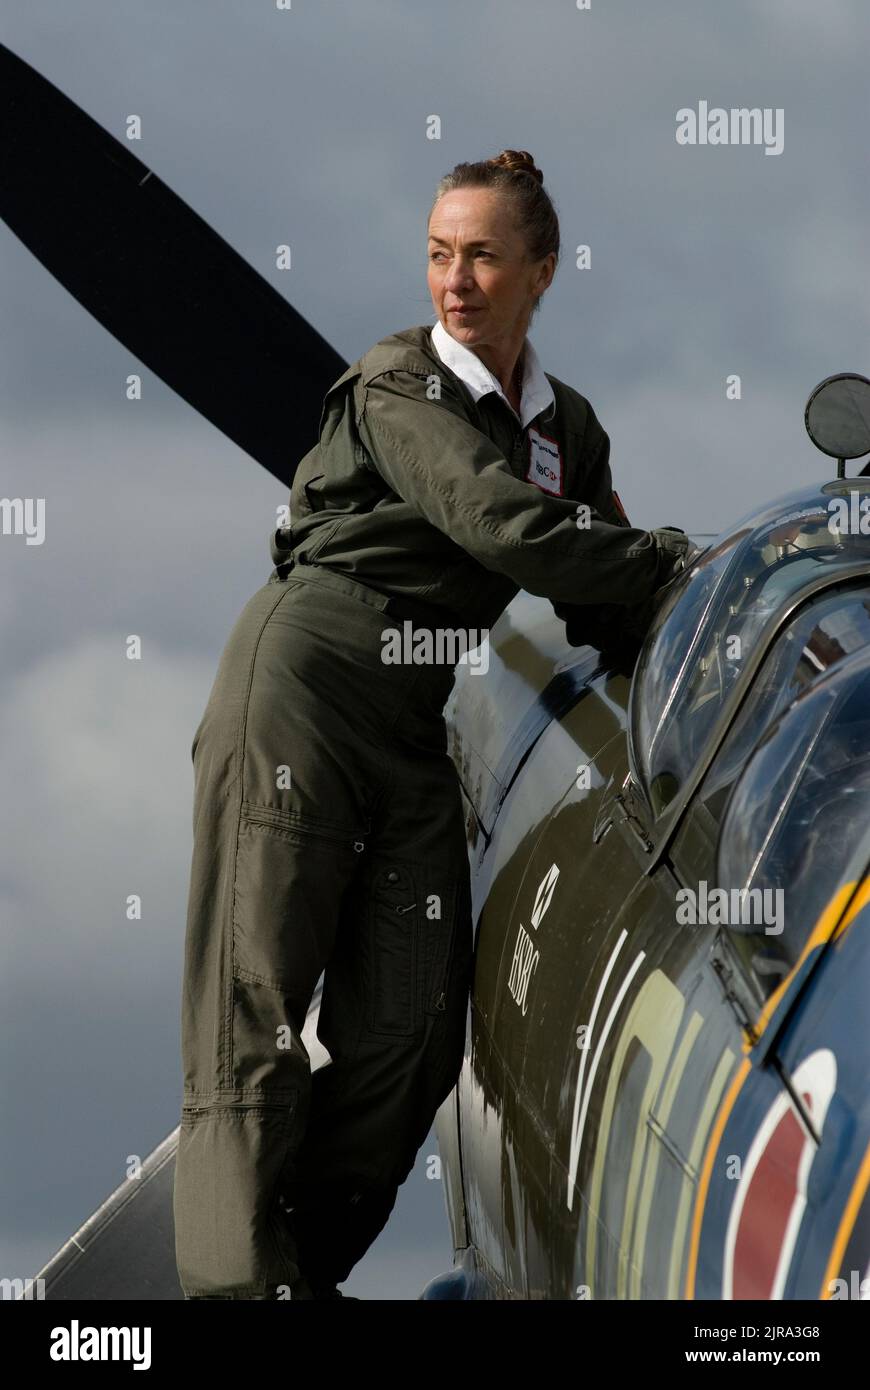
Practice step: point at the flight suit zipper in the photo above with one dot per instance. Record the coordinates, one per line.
(436, 994)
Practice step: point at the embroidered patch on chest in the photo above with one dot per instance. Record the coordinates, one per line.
(545, 463)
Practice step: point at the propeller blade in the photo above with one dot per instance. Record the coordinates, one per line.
(153, 273)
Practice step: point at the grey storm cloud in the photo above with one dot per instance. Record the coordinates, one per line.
(308, 127)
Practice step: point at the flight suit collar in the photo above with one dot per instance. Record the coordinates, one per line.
(537, 393)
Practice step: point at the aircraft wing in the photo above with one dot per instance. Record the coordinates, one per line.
(126, 1250)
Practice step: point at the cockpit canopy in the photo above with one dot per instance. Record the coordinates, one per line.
(715, 627)
(798, 812)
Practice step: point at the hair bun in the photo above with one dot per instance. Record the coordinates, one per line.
(517, 162)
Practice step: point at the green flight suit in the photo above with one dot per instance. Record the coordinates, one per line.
(419, 490)
(328, 825)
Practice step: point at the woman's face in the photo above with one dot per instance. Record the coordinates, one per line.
(477, 263)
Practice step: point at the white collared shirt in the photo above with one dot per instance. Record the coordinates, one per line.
(537, 394)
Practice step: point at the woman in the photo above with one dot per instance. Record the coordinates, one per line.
(450, 472)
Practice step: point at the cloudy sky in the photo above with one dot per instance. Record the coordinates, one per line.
(309, 126)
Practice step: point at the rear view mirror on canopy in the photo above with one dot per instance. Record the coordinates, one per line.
(837, 417)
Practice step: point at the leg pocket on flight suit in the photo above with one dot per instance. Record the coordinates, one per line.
(392, 1008)
(410, 933)
(288, 885)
